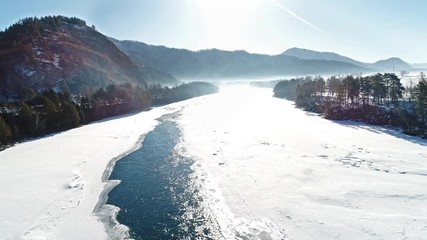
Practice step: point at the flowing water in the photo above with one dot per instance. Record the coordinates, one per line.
(159, 193)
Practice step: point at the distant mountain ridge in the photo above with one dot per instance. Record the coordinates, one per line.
(310, 54)
(391, 64)
(419, 65)
(219, 64)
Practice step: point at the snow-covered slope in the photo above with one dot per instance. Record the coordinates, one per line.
(313, 178)
(49, 187)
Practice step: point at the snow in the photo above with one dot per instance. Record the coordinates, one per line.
(50, 186)
(56, 61)
(44, 60)
(37, 50)
(80, 27)
(270, 171)
(312, 178)
(24, 71)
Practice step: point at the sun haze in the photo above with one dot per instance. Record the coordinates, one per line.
(365, 30)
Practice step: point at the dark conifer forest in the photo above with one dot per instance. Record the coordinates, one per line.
(50, 111)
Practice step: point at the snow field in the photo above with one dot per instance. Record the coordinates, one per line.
(313, 178)
(50, 186)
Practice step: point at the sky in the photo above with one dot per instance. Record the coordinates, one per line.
(365, 30)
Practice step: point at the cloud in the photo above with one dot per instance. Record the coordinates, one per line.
(300, 18)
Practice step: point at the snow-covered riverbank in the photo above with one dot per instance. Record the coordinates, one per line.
(270, 171)
(313, 178)
(50, 186)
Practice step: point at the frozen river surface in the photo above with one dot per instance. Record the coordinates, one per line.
(303, 176)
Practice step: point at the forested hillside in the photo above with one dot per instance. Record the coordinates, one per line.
(374, 99)
(218, 64)
(65, 54)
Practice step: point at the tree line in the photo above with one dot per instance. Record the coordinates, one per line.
(375, 99)
(164, 95)
(32, 26)
(45, 113)
(50, 111)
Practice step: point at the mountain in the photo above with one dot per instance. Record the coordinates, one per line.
(419, 65)
(63, 53)
(218, 64)
(311, 55)
(392, 64)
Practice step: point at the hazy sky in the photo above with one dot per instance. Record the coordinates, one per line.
(366, 30)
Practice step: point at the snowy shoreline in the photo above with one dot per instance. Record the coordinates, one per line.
(108, 213)
(311, 177)
(55, 187)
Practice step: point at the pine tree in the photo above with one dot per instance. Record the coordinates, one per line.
(333, 84)
(53, 96)
(395, 88)
(320, 85)
(5, 133)
(70, 116)
(52, 117)
(353, 88)
(421, 98)
(26, 117)
(379, 90)
(365, 89)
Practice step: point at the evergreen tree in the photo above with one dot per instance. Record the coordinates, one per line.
(85, 102)
(421, 98)
(70, 116)
(51, 113)
(16, 134)
(320, 85)
(25, 111)
(341, 94)
(28, 94)
(333, 84)
(395, 88)
(48, 105)
(365, 89)
(353, 87)
(5, 133)
(82, 115)
(53, 96)
(379, 90)
(26, 117)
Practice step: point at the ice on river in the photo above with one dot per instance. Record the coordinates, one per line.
(313, 178)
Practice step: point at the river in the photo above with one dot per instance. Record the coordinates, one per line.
(241, 164)
(159, 193)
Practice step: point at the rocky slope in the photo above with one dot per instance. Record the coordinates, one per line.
(65, 54)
